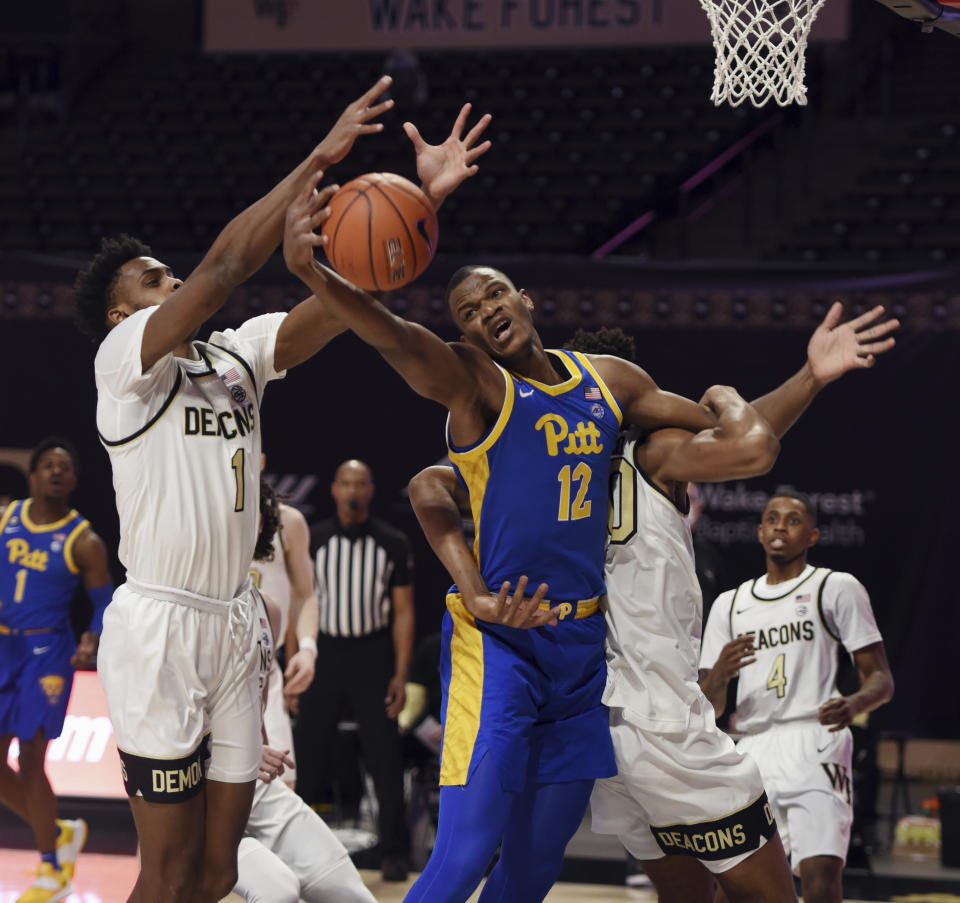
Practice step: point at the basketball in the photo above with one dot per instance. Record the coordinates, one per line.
(382, 231)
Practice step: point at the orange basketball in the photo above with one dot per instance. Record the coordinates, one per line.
(382, 231)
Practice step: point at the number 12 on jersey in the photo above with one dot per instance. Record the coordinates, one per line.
(567, 477)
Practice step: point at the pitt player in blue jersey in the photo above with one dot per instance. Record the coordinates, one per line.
(46, 550)
(525, 736)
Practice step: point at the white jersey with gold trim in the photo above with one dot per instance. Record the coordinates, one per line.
(184, 443)
(654, 608)
(797, 627)
(271, 578)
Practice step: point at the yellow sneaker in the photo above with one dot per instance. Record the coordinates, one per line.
(49, 886)
(70, 841)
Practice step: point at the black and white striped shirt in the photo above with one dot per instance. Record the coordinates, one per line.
(356, 566)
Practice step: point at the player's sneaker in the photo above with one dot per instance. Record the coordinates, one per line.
(49, 886)
(70, 841)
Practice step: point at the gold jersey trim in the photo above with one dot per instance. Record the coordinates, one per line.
(68, 545)
(607, 394)
(43, 528)
(576, 375)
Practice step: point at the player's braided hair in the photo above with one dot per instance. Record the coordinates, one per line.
(269, 521)
(93, 288)
(604, 341)
(45, 445)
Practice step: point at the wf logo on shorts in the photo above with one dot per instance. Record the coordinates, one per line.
(839, 778)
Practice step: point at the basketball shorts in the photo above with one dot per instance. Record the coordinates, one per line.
(686, 793)
(35, 681)
(276, 721)
(807, 772)
(529, 698)
(183, 689)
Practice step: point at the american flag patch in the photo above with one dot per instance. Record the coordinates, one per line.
(591, 393)
(801, 597)
(59, 537)
(231, 376)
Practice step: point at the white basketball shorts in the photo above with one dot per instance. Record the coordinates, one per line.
(688, 793)
(182, 687)
(807, 772)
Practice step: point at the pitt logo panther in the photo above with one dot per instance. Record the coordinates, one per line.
(582, 441)
(207, 422)
(22, 554)
(52, 686)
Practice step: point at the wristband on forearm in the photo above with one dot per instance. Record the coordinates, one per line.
(100, 596)
(308, 642)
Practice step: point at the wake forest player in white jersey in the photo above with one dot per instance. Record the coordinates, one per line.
(683, 792)
(287, 852)
(181, 421)
(283, 571)
(781, 635)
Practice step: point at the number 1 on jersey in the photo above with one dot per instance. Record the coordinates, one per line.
(20, 586)
(778, 678)
(236, 462)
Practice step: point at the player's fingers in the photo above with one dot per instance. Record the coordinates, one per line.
(413, 133)
(541, 594)
(747, 661)
(519, 591)
(378, 109)
(867, 361)
(373, 92)
(478, 151)
(877, 347)
(478, 129)
(461, 121)
(502, 596)
(833, 315)
(880, 330)
(865, 319)
(370, 128)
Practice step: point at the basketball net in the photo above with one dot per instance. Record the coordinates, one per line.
(761, 46)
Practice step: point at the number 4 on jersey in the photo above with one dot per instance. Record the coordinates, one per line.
(778, 678)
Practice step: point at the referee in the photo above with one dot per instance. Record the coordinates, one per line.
(364, 583)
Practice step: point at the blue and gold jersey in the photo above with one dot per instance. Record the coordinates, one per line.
(38, 575)
(538, 482)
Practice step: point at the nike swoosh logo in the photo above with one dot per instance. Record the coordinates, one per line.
(740, 611)
(526, 394)
(39, 650)
(421, 226)
(821, 748)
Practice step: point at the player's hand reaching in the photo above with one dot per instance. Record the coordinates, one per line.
(442, 167)
(307, 212)
(299, 673)
(355, 121)
(838, 712)
(273, 763)
(86, 650)
(735, 655)
(514, 610)
(834, 349)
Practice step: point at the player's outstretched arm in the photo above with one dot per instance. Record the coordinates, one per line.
(644, 403)
(90, 556)
(876, 688)
(834, 349)
(434, 495)
(430, 366)
(252, 236)
(304, 607)
(442, 167)
(740, 445)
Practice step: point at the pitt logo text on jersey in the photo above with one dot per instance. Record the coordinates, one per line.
(21, 553)
(228, 424)
(582, 441)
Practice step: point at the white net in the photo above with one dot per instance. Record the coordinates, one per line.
(761, 48)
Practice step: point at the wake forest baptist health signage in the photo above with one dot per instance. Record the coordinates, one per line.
(318, 25)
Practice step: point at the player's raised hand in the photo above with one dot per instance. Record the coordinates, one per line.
(735, 655)
(838, 347)
(516, 610)
(86, 650)
(307, 212)
(442, 167)
(273, 763)
(838, 712)
(355, 121)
